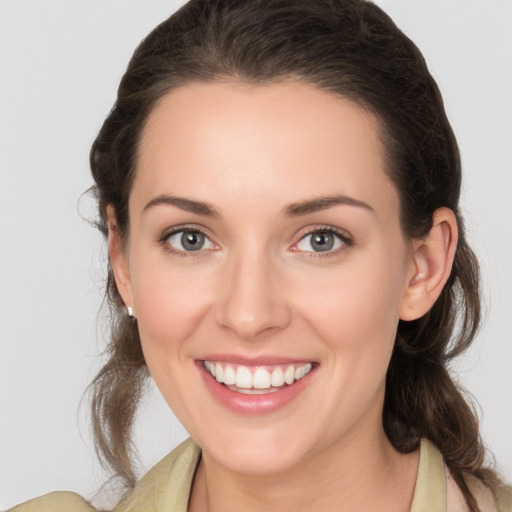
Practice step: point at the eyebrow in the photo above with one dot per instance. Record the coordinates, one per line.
(318, 204)
(189, 205)
(292, 210)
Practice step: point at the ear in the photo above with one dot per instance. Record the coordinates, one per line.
(118, 260)
(431, 265)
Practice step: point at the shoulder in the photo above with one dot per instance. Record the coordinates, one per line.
(482, 494)
(164, 488)
(499, 501)
(55, 502)
(504, 499)
(435, 483)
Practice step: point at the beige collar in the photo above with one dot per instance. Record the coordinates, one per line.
(436, 491)
(430, 491)
(167, 486)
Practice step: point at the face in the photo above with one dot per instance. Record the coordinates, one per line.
(265, 247)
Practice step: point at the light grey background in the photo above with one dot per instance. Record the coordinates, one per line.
(61, 61)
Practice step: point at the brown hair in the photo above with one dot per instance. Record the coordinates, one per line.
(349, 48)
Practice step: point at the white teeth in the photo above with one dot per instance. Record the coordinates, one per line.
(253, 391)
(289, 375)
(219, 372)
(229, 376)
(299, 373)
(263, 380)
(277, 377)
(243, 377)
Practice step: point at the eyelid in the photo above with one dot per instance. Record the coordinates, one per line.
(345, 237)
(167, 233)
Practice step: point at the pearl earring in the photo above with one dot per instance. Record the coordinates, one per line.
(129, 310)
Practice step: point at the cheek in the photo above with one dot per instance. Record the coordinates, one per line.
(368, 296)
(169, 302)
(355, 319)
(356, 311)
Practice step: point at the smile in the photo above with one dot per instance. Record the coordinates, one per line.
(257, 380)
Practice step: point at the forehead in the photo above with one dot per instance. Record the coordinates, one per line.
(246, 141)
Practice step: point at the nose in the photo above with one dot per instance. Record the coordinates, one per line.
(253, 299)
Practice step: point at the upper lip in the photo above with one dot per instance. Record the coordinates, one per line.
(261, 360)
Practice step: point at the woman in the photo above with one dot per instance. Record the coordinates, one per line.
(279, 186)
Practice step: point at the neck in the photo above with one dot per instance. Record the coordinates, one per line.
(358, 472)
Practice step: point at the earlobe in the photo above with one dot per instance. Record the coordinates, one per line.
(432, 264)
(118, 259)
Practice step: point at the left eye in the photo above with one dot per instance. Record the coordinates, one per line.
(320, 241)
(188, 240)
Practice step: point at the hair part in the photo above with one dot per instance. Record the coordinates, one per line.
(349, 48)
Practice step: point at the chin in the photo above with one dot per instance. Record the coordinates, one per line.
(259, 458)
(257, 451)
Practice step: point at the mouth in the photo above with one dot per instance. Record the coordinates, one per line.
(257, 380)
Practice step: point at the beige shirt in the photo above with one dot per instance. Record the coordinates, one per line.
(166, 488)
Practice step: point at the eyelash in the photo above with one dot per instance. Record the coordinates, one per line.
(345, 239)
(343, 236)
(163, 240)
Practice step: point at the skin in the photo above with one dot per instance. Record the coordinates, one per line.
(258, 288)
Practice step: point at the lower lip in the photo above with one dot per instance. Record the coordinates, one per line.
(253, 404)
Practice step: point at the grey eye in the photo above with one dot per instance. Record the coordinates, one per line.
(320, 241)
(189, 240)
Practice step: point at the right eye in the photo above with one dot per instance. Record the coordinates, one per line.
(188, 240)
